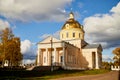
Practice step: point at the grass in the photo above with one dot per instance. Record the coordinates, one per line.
(61, 74)
(46, 75)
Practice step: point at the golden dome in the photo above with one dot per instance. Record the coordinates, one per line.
(71, 23)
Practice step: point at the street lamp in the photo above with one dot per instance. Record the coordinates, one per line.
(51, 55)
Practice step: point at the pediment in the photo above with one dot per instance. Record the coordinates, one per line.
(48, 40)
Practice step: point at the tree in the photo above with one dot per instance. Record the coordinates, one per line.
(10, 48)
(1, 55)
(116, 58)
(106, 65)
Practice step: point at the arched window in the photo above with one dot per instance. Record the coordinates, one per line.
(61, 58)
(74, 34)
(62, 35)
(79, 35)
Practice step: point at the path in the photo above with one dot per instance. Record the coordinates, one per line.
(113, 75)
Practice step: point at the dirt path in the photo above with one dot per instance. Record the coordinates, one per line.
(113, 75)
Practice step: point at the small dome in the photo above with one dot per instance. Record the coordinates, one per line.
(72, 29)
(71, 23)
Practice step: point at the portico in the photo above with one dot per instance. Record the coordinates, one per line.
(48, 55)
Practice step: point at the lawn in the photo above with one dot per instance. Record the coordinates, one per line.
(46, 75)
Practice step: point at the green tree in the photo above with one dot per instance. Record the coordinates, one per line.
(106, 65)
(116, 57)
(10, 48)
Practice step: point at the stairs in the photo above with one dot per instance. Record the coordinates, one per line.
(31, 68)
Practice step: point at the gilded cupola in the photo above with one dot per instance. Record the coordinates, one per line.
(72, 29)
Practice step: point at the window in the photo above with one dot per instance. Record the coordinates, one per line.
(61, 58)
(62, 35)
(67, 26)
(73, 34)
(67, 34)
(93, 59)
(79, 35)
(52, 59)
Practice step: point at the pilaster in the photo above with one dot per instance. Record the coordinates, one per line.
(97, 62)
(63, 54)
(55, 55)
(47, 60)
(38, 57)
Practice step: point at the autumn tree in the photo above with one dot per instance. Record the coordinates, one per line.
(106, 65)
(116, 57)
(1, 55)
(10, 48)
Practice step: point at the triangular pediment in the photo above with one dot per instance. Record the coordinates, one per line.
(49, 38)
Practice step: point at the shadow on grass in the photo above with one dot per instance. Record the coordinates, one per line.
(42, 75)
(19, 74)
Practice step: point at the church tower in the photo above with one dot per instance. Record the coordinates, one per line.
(72, 29)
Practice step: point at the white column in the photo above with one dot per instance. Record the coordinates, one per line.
(57, 56)
(38, 57)
(97, 62)
(47, 57)
(54, 55)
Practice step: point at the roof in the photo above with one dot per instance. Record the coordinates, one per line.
(72, 23)
(89, 46)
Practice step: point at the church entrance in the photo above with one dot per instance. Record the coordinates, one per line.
(93, 59)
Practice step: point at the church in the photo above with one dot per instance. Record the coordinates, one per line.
(71, 51)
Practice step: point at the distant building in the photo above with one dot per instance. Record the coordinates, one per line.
(71, 51)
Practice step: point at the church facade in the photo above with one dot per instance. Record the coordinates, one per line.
(71, 51)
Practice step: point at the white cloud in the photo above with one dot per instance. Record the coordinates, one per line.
(27, 47)
(107, 58)
(44, 36)
(28, 61)
(4, 24)
(116, 9)
(56, 35)
(29, 52)
(104, 28)
(35, 10)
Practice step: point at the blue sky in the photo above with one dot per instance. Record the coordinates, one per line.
(33, 20)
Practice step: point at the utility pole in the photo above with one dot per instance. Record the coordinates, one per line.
(51, 54)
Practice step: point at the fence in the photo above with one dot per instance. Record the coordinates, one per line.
(117, 68)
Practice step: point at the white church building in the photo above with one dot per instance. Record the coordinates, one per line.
(71, 51)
